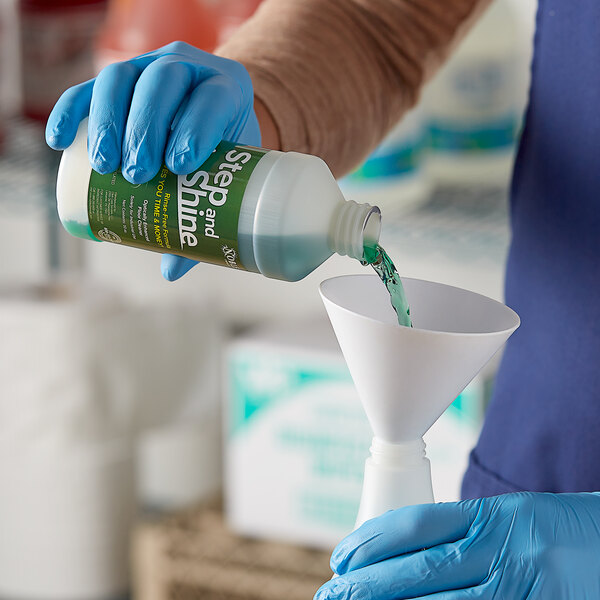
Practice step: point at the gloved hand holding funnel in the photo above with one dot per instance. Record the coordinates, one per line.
(406, 377)
(521, 546)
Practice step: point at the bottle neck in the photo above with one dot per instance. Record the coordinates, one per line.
(407, 453)
(354, 226)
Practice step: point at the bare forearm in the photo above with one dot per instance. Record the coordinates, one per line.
(333, 76)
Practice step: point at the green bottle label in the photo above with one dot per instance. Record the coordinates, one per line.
(194, 215)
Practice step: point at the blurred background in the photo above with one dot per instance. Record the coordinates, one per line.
(167, 441)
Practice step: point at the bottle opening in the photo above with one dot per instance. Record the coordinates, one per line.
(356, 225)
(371, 230)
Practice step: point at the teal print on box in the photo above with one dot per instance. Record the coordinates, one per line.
(259, 384)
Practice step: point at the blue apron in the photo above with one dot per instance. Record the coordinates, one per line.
(542, 430)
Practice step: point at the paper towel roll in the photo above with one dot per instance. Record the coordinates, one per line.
(53, 367)
(85, 376)
(65, 521)
(66, 448)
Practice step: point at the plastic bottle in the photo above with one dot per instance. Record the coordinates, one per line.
(133, 27)
(474, 105)
(277, 213)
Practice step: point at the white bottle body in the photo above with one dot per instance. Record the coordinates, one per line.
(292, 216)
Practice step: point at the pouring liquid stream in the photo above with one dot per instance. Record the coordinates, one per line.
(378, 258)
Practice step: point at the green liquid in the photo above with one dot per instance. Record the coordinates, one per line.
(377, 257)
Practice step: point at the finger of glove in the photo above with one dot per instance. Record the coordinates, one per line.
(173, 267)
(70, 109)
(209, 110)
(181, 50)
(159, 91)
(402, 531)
(250, 134)
(445, 567)
(237, 126)
(111, 99)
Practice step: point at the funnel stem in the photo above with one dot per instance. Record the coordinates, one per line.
(396, 475)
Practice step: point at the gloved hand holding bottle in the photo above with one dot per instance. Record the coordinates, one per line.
(279, 214)
(174, 104)
(514, 547)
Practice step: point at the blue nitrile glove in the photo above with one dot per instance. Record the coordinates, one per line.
(174, 104)
(513, 547)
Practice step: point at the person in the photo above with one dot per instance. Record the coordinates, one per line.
(331, 78)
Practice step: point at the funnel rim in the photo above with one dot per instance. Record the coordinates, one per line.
(509, 330)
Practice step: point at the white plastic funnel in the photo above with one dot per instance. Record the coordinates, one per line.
(406, 377)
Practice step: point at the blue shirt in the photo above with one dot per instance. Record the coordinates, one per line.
(542, 430)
